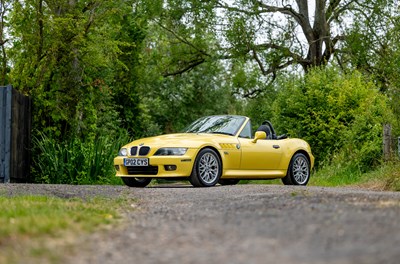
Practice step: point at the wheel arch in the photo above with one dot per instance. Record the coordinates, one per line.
(305, 153)
(216, 151)
(289, 178)
(302, 151)
(194, 178)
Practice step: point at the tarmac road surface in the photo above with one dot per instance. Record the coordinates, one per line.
(240, 224)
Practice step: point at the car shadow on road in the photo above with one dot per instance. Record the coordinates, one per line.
(173, 185)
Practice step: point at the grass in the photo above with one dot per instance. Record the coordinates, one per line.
(336, 175)
(76, 161)
(32, 226)
(384, 178)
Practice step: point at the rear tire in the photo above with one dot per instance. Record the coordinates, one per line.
(207, 169)
(298, 171)
(136, 182)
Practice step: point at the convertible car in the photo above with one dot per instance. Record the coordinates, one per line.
(216, 149)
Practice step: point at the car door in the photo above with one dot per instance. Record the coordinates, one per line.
(265, 154)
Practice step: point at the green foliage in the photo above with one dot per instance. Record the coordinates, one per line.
(76, 161)
(172, 100)
(77, 60)
(150, 67)
(127, 77)
(260, 109)
(340, 115)
(175, 102)
(337, 173)
(57, 60)
(375, 52)
(383, 178)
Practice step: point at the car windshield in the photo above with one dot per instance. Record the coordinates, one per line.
(226, 124)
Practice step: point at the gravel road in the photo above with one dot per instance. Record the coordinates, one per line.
(240, 224)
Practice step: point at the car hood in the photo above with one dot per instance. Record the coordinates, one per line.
(187, 140)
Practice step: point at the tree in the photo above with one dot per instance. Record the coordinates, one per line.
(376, 53)
(274, 35)
(130, 36)
(77, 60)
(58, 60)
(174, 101)
(4, 10)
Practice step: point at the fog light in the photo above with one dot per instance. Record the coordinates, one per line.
(170, 167)
(117, 167)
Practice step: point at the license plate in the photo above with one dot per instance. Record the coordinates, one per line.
(135, 162)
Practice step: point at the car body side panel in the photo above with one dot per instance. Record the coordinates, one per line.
(253, 174)
(260, 155)
(261, 160)
(230, 154)
(290, 146)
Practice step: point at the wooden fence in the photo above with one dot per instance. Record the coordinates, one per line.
(390, 144)
(15, 130)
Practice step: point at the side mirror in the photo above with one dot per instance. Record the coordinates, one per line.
(259, 135)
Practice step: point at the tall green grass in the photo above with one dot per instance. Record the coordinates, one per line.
(75, 161)
(336, 175)
(385, 177)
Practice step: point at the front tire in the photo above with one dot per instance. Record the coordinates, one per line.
(136, 182)
(207, 169)
(298, 171)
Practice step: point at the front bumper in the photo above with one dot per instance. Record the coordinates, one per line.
(159, 166)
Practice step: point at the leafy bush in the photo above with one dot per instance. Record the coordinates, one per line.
(340, 115)
(76, 161)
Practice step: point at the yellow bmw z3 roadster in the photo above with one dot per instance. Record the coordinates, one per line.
(216, 149)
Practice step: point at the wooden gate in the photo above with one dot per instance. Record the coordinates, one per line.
(15, 128)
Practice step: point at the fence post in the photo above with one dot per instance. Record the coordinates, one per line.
(387, 140)
(15, 126)
(398, 146)
(5, 133)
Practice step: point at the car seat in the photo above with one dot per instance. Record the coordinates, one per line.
(266, 129)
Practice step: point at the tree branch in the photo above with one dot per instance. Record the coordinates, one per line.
(260, 64)
(286, 10)
(335, 12)
(273, 68)
(330, 47)
(255, 92)
(333, 4)
(183, 40)
(284, 50)
(192, 64)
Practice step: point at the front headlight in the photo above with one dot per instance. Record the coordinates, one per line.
(170, 152)
(123, 152)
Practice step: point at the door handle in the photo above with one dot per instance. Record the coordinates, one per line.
(276, 146)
